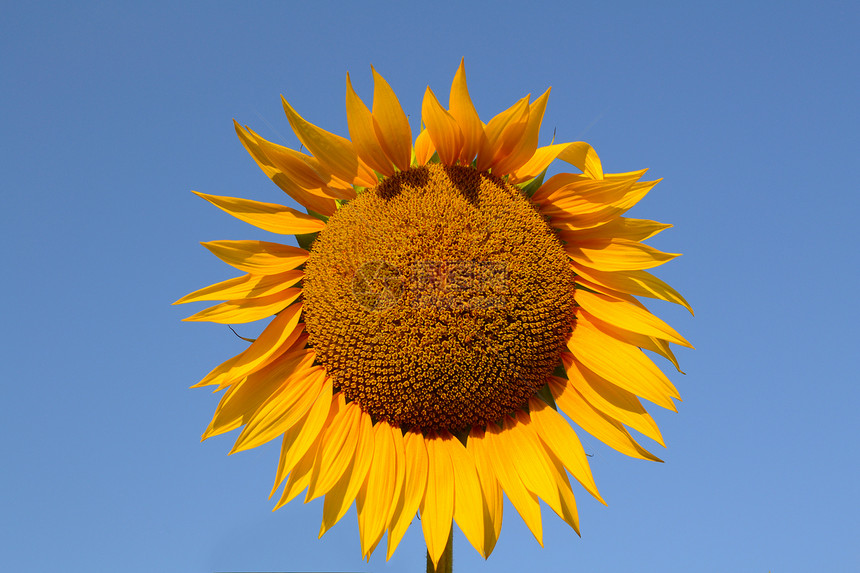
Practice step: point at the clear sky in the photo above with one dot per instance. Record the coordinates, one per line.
(113, 113)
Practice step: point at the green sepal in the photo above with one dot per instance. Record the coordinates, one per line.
(585, 288)
(546, 395)
(559, 371)
(305, 241)
(319, 216)
(530, 187)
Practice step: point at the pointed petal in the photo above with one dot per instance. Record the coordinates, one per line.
(414, 486)
(258, 257)
(468, 497)
(617, 255)
(340, 497)
(533, 465)
(615, 402)
(391, 124)
(300, 476)
(443, 129)
(246, 286)
(267, 216)
(377, 494)
(253, 144)
(336, 452)
(560, 439)
(285, 407)
(244, 397)
(639, 283)
(627, 316)
(566, 500)
(492, 491)
(244, 310)
(275, 338)
(336, 153)
(437, 507)
(622, 364)
(499, 452)
(602, 427)
(528, 145)
(620, 228)
(503, 134)
(461, 109)
(363, 135)
(580, 203)
(303, 170)
(301, 435)
(577, 195)
(424, 149)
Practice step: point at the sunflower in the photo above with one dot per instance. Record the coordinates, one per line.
(445, 309)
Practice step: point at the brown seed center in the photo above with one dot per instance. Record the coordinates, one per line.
(439, 299)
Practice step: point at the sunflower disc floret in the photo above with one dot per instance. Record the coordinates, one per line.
(469, 299)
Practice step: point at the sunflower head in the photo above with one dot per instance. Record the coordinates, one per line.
(446, 305)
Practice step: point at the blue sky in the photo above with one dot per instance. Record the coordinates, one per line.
(113, 113)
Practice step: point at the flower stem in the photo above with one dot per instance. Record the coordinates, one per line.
(446, 562)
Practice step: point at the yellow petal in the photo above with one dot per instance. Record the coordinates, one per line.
(533, 465)
(378, 493)
(258, 257)
(443, 129)
(615, 402)
(560, 439)
(639, 283)
(414, 486)
(336, 153)
(622, 364)
(301, 435)
(616, 255)
(246, 286)
(468, 498)
(627, 316)
(285, 407)
(571, 195)
(340, 497)
(424, 149)
(391, 124)
(602, 427)
(267, 216)
(363, 136)
(499, 453)
(304, 170)
(275, 338)
(253, 144)
(300, 476)
(621, 228)
(492, 491)
(244, 397)
(586, 204)
(503, 134)
(437, 508)
(299, 460)
(528, 144)
(247, 309)
(662, 348)
(336, 451)
(566, 500)
(582, 156)
(461, 108)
